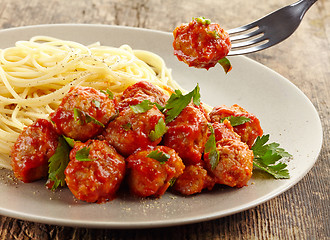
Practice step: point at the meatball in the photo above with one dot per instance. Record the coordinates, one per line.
(97, 178)
(200, 44)
(130, 131)
(235, 164)
(148, 176)
(140, 91)
(193, 180)
(32, 150)
(83, 113)
(187, 134)
(224, 131)
(248, 131)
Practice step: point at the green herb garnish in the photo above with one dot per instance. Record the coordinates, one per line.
(82, 154)
(69, 141)
(127, 126)
(159, 156)
(160, 130)
(235, 121)
(214, 34)
(57, 164)
(178, 102)
(225, 63)
(203, 20)
(107, 92)
(81, 117)
(172, 181)
(97, 103)
(142, 107)
(211, 148)
(160, 108)
(266, 157)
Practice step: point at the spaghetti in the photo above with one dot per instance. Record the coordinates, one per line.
(36, 74)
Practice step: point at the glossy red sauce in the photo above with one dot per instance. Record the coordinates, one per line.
(201, 45)
(187, 134)
(91, 102)
(31, 151)
(96, 180)
(248, 131)
(148, 176)
(127, 136)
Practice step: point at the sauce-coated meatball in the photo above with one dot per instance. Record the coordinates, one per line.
(224, 131)
(248, 131)
(32, 150)
(82, 113)
(200, 44)
(140, 91)
(187, 134)
(235, 165)
(150, 177)
(130, 131)
(96, 180)
(193, 180)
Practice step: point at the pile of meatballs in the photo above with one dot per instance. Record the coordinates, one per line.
(119, 147)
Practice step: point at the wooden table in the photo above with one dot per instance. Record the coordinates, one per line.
(304, 59)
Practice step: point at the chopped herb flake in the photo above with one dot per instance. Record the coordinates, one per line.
(235, 121)
(81, 117)
(127, 126)
(142, 107)
(108, 92)
(211, 149)
(160, 130)
(203, 20)
(97, 103)
(69, 141)
(159, 156)
(82, 154)
(225, 63)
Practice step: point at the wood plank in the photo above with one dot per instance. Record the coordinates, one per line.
(300, 213)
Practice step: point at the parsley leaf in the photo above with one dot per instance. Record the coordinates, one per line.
(160, 130)
(82, 154)
(58, 162)
(160, 107)
(211, 148)
(159, 156)
(225, 63)
(107, 92)
(178, 102)
(142, 107)
(235, 121)
(69, 141)
(266, 157)
(81, 117)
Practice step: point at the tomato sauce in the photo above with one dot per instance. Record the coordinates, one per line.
(201, 45)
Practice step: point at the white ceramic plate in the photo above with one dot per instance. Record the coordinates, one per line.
(284, 111)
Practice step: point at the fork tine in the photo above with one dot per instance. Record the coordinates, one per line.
(251, 49)
(248, 43)
(242, 28)
(245, 36)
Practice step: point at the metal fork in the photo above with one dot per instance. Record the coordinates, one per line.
(269, 30)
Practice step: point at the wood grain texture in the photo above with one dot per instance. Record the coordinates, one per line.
(300, 213)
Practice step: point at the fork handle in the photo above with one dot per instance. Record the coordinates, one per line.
(304, 6)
